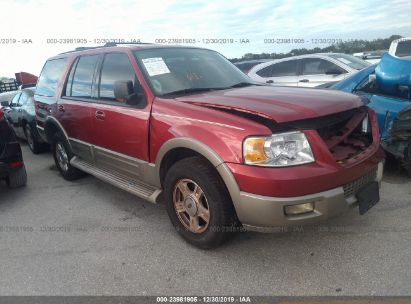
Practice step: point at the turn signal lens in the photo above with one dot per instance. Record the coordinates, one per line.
(254, 150)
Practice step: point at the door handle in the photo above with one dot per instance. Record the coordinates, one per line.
(100, 115)
(61, 108)
(270, 81)
(304, 80)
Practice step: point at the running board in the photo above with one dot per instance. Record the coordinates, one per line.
(133, 186)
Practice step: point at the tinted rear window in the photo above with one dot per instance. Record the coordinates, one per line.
(50, 76)
(403, 48)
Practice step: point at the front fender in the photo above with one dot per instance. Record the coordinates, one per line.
(213, 130)
(208, 153)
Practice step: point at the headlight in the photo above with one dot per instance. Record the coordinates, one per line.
(278, 150)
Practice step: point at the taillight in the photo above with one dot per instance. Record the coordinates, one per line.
(16, 164)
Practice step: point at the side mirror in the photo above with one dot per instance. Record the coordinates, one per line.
(334, 72)
(5, 103)
(124, 90)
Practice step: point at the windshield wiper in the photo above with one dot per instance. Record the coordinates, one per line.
(198, 90)
(190, 90)
(243, 84)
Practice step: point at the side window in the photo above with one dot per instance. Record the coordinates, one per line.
(318, 66)
(15, 100)
(285, 68)
(69, 84)
(116, 67)
(23, 99)
(265, 72)
(50, 76)
(81, 76)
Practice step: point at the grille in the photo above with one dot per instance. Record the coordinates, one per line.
(345, 138)
(353, 187)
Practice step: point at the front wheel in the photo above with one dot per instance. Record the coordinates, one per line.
(198, 203)
(62, 155)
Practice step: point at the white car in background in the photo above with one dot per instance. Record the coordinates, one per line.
(307, 70)
(372, 57)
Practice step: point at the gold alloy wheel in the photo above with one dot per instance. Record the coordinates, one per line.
(191, 206)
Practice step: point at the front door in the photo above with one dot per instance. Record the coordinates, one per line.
(120, 131)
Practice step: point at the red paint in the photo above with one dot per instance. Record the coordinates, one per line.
(140, 133)
(25, 78)
(17, 164)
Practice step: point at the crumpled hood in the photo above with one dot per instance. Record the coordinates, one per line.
(281, 104)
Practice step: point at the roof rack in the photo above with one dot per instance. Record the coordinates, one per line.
(108, 44)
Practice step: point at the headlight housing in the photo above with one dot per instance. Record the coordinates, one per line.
(278, 150)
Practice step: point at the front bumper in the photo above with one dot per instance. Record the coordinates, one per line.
(262, 213)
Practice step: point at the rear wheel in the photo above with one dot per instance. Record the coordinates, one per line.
(62, 155)
(17, 178)
(198, 203)
(407, 167)
(34, 145)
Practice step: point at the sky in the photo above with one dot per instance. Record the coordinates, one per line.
(247, 26)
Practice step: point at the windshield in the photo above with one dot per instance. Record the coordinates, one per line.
(351, 61)
(185, 70)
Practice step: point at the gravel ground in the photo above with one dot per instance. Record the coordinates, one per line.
(89, 238)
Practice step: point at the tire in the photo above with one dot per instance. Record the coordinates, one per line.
(407, 167)
(34, 145)
(17, 178)
(62, 155)
(204, 191)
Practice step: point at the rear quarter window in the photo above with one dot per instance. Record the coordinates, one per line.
(50, 76)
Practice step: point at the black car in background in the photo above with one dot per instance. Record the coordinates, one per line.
(12, 167)
(20, 114)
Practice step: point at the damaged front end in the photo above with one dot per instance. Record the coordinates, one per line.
(399, 143)
(349, 136)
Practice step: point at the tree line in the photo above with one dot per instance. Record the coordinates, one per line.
(347, 47)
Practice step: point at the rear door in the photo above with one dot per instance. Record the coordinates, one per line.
(120, 130)
(75, 106)
(317, 71)
(281, 73)
(24, 98)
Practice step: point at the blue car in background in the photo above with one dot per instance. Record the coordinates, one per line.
(386, 88)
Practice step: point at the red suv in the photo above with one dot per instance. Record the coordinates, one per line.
(224, 151)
